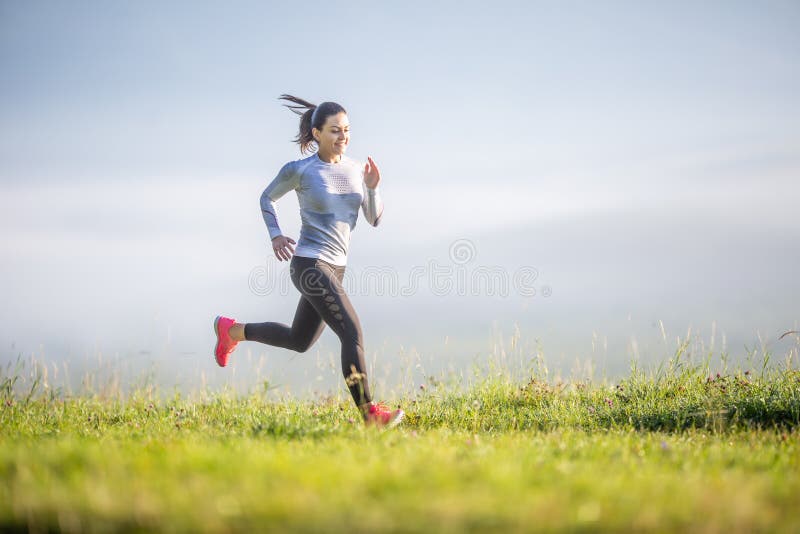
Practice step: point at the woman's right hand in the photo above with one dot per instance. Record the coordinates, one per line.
(282, 246)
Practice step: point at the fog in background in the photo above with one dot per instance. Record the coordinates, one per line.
(638, 164)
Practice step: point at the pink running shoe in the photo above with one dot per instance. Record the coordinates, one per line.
(379, 415)
(225, 344)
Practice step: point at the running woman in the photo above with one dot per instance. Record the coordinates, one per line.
(330, 187)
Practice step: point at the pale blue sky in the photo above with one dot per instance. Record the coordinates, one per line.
(643, 157)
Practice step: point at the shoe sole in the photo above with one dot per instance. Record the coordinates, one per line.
(396, 421)
(216, 347)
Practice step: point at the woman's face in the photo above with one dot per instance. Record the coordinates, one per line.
(335, 134)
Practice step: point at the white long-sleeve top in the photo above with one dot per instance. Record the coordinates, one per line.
(329, 195)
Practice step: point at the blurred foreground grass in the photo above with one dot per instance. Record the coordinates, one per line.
(678, 449)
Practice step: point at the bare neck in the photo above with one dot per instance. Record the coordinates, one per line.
(329, 157)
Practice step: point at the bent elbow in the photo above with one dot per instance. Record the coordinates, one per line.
(264, 201)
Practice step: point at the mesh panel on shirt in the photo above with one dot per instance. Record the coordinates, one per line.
(339, 183)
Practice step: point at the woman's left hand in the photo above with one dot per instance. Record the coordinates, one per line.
(371, 174)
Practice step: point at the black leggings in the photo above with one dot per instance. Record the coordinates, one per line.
(322, 301)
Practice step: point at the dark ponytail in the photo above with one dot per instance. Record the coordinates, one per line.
(306, 110)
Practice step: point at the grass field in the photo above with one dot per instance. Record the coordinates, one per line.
(678, 449)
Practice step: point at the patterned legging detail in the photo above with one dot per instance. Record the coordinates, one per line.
(322, 301)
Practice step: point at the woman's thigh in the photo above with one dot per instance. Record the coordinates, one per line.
(321, 284)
